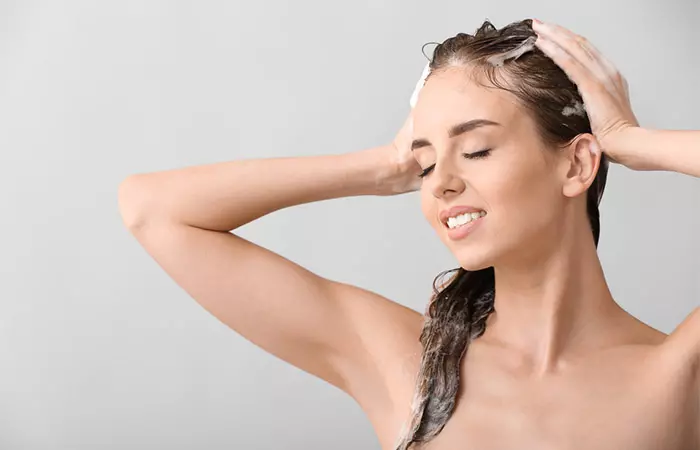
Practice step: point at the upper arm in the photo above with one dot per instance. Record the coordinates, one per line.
(347, 336)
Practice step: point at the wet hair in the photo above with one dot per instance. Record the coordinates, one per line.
(457, 312)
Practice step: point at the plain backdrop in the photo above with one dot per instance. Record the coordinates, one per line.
(99, 349)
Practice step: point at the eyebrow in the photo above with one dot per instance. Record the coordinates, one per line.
(456, 131)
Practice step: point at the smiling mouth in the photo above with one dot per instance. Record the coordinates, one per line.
(462, 220)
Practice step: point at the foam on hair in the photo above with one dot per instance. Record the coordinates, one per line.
(576, 108)
(500, 59)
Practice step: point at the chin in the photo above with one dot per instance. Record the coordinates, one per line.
(473, 260)
(474, 266)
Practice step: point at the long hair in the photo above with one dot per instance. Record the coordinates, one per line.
(457, 312)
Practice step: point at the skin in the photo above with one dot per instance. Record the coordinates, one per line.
(560, 366)
(552, 302)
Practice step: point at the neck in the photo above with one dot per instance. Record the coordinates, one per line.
(554, 305)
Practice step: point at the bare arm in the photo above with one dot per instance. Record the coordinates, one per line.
(675, 151)
(670, 150)
(227, 195)
(605, 93)
(341, 333)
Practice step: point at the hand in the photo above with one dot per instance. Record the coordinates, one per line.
(604, 90)
(405, 169)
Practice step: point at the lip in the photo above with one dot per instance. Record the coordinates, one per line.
(455, 211)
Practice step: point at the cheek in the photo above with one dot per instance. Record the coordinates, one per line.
(428, 206)
(520, 197)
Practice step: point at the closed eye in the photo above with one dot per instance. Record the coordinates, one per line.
(476, 155)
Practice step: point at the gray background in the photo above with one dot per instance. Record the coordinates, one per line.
(99, 349)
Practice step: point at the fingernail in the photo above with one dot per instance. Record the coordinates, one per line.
(594, 148)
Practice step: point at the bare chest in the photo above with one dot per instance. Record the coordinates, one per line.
(626, 417)
(616, 402)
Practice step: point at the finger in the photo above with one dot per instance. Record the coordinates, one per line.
(590, 49)
(581, 49)
(565, 38)
(590, 86)
(573, 67)
(613, 72)
(608, 69)
(591, 77)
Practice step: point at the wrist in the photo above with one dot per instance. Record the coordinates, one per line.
(398, 173)
(380, 167)
(651, 149)
(634, 147)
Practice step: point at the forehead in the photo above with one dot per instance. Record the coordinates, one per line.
(452, 96)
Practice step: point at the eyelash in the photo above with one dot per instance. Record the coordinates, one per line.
(476, 155)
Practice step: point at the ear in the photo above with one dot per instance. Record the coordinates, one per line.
(580, 162)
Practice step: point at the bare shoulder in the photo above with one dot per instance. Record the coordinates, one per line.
(680, 355)
(680, 350)
(684, 341)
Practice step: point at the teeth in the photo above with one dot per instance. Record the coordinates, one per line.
(454, 222)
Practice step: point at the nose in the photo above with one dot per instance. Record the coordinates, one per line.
(446, 180)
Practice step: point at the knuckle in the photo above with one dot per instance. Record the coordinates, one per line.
(597, 87)
(582, 41)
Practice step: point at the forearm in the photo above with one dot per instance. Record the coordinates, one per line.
(669, 150)
(225, 196)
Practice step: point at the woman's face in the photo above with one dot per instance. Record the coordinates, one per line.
(518, 183)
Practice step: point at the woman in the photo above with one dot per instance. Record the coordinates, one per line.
(524, 347)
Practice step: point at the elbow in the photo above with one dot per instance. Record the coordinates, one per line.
(132, 200)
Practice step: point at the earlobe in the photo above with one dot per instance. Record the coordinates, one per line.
(583, 158)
